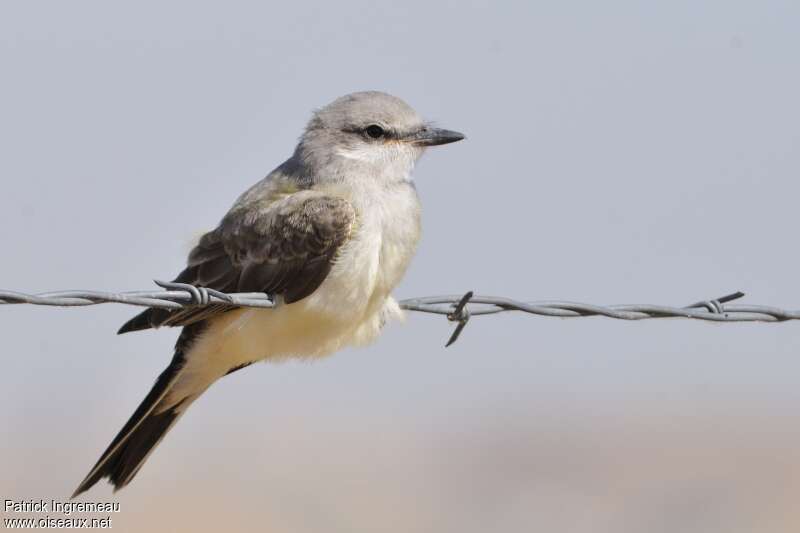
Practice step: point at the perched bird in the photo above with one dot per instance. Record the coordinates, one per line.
(327, 235)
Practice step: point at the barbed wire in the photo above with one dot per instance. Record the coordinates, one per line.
(457, 308)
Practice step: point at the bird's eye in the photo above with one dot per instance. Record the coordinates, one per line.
(374, 131)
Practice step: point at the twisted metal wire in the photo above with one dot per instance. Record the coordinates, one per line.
(457, 308)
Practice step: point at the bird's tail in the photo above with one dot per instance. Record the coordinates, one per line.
(147, 426)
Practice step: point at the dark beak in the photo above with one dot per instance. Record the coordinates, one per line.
(429, 136)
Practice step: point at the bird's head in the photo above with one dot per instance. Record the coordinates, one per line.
(371, 130)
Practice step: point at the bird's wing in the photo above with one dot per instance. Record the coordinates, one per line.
(284, 247)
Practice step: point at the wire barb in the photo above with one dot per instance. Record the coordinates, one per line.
(461, 315)
(715, 306)
(200, 295)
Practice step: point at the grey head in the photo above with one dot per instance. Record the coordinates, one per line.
(367, 135)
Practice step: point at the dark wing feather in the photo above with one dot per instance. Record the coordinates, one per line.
(283, 248)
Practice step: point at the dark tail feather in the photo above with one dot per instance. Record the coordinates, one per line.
(133, 443)
(145, 429)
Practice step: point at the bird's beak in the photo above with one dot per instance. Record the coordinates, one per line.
(429, 136)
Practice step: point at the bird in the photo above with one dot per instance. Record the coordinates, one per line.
(327, 236)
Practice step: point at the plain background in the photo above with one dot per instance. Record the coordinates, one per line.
(617, 152)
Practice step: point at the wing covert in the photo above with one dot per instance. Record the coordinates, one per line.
(288, 247)
(284, 247)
